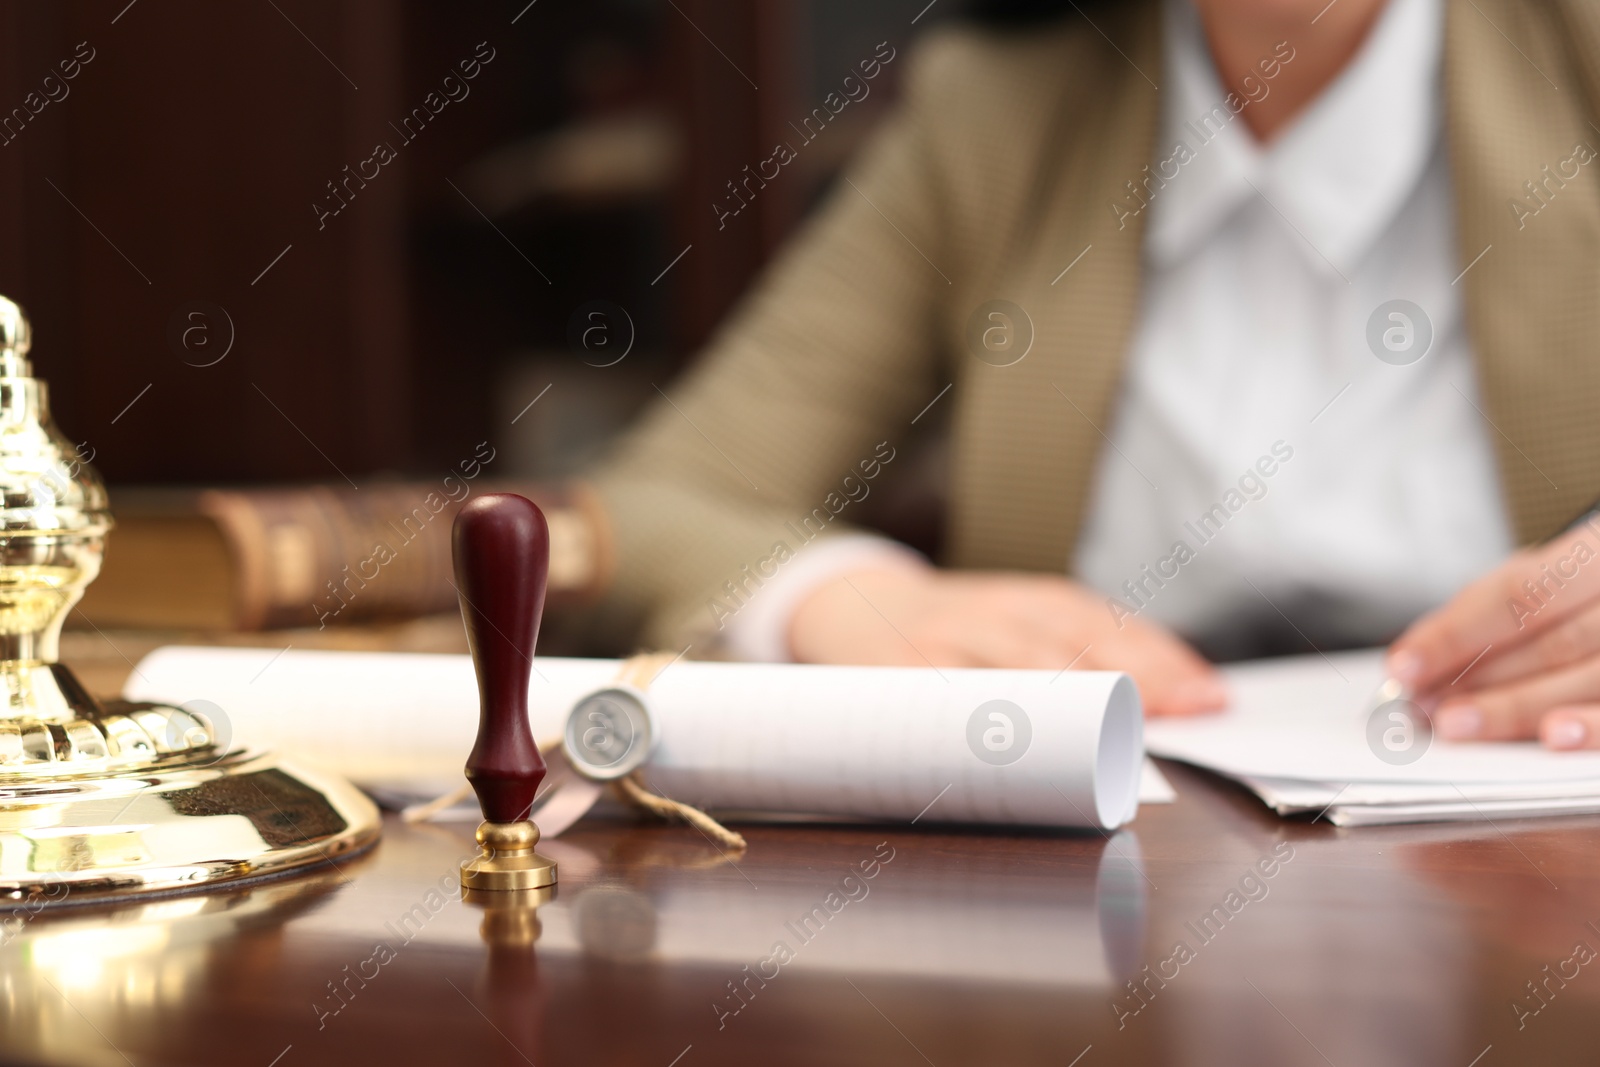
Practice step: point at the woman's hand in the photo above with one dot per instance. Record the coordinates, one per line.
(915, 616)
(1517, 653)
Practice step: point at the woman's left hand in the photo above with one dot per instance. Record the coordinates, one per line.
(1517, 653)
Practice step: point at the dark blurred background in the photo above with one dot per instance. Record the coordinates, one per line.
(161, 204)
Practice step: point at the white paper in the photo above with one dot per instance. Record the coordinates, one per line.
(874, 742)
(1390, 814)
(1154, 787)
(1290, 796)
(1382, 803)
(1305, 718)
(1296, 734)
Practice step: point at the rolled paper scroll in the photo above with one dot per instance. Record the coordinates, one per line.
(1038, 748)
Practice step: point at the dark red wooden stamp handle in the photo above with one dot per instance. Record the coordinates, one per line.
(501, 545)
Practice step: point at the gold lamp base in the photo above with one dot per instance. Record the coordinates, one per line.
(509, 861)
(139, 821)
(115, 799)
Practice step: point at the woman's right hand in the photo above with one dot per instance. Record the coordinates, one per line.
(913, 615)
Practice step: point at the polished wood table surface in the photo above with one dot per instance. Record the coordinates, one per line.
(1459, 946)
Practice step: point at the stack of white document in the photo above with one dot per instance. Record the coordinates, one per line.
(1299, 733)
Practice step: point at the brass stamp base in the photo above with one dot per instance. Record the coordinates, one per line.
(509, 861)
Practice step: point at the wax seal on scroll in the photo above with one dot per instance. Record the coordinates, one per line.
(608, 734)
(501, 545)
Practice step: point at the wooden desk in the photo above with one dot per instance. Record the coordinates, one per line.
(1383, 946)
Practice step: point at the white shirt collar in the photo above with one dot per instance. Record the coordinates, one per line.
(1337, 175)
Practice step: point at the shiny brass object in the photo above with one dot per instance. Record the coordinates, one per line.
(110, 799)
(132, 961)
(510, 920)
(508, 861)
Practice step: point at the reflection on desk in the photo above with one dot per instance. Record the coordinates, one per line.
(1072, 923)
(901, 944)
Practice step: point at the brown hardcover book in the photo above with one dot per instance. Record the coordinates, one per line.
(254, 559)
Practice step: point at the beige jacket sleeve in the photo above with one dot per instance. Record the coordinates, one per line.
(820, 369)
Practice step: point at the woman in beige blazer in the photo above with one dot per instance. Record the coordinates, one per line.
(1009, 154)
